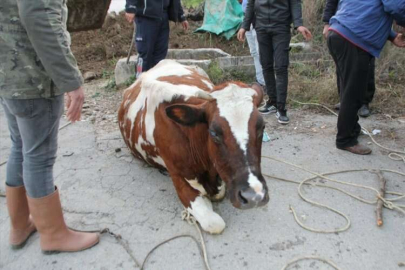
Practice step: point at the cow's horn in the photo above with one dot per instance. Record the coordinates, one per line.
(204, 95)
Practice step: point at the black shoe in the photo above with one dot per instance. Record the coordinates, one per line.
(282, 117)
(267, 109)
(364, 111)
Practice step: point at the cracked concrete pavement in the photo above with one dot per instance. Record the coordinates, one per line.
(103, 188)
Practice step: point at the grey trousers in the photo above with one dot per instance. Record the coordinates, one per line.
(33, 125)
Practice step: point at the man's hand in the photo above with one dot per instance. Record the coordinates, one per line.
(325, 31)
(241, 35)
(305, 32)
(74, 104)
(399, 41)
(185, 25)
(130, 17)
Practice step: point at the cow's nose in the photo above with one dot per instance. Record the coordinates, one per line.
(249, 198)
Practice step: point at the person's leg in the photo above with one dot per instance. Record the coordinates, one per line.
(369, 94)
(353, 65)
(161, 44)
(264, 40)
(146, 32)
(339, 86)
(251, 38)
(21, 225)
(281, 43)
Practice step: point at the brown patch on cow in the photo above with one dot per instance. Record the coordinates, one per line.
(194, 79)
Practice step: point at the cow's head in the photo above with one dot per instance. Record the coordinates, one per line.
(234, 131)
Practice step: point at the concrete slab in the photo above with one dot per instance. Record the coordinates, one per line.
(101, 188)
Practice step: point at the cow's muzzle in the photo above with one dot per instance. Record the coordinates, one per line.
(249, 198)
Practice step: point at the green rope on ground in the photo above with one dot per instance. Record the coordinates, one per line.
(388, 202)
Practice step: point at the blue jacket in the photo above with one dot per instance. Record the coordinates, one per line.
(368, 23)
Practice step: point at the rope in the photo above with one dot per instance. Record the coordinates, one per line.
(388, 202)
(311, 258)
(396, 155)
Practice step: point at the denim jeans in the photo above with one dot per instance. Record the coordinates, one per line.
(33, 125)
(254, 52)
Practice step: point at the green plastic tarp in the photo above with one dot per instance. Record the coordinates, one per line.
(222, 17)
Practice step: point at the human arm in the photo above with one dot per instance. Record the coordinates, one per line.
(182, 18)
(329, 11)
(296, 14)
(396, 8)
(46, 31)
(130, 10)
(247, 21)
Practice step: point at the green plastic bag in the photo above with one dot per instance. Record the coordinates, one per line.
(222, 17)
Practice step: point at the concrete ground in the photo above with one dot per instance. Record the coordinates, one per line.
(103, 188)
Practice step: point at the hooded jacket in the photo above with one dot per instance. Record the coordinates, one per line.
(154, 9)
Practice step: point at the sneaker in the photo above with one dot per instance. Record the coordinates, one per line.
(364, 111)
(282, 117)
(267, 109)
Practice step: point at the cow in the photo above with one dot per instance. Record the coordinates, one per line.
(207, 137)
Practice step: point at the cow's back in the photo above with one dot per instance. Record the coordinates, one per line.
(141, 112)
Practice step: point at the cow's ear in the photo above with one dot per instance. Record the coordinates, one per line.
(187, 115)
(258, 98)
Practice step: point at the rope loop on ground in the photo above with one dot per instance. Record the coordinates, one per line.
(311, 258)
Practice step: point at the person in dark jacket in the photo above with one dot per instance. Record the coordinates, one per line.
(151, 18)
(331, 8)
(357, 33)
(273, 28)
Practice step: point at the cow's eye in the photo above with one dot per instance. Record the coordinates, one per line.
(215, 136)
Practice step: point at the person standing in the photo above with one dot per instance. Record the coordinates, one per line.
(357, 33)
(273, 28)
(251, 38)
(331, 8)
(36, 69)
(151, 18)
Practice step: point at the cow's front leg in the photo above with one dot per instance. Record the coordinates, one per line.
(198, 205)
(221, 191)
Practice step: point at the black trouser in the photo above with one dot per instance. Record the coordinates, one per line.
(152, 41)
(369, 95)
(353, 64)
(274, 50)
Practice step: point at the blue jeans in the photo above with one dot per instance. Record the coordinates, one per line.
(254, 52)
(33, 125)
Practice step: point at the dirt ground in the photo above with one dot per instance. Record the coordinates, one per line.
(98, 50)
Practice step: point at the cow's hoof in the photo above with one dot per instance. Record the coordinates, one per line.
(213, 224)
(221, 193)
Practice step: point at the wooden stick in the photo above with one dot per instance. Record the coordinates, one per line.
(380, 202)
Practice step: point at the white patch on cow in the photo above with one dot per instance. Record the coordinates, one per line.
(201, 209)
(197, 186)
(221, 192)
(155, 92)
(159, 161)
(208, 84)
(235, 104)
(257, 186)
(138, 147)
(126, 103)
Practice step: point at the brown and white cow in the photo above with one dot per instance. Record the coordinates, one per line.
(174, 118)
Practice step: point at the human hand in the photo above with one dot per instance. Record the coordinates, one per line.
(305, 32)
(74, 104)
(241, 35)
(130, 17)
(399, 41)
(325, 31)
(185, 25)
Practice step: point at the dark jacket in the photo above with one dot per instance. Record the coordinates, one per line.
(330, 10)
(154, 9)
(276, 14)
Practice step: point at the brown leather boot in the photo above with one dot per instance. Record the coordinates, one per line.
(22, 226)
(358, 149)
(55, 236)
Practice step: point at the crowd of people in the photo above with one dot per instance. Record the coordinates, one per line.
(38, 71)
